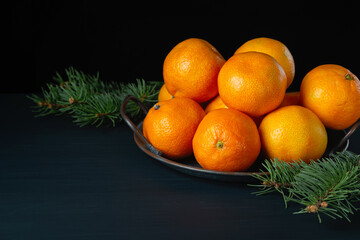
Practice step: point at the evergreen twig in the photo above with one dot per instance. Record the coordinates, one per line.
(91, 101)
(328, 186)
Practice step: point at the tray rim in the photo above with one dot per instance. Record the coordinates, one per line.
(152, 152)
(201, 172)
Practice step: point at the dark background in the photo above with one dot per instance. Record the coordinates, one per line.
(59, 181)
(125, 41)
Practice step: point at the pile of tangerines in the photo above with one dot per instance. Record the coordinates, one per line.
(227, 112)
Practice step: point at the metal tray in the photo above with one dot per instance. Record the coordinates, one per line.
(338, 141)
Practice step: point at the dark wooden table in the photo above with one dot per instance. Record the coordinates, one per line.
(59, 181)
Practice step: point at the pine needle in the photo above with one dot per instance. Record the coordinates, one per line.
(91, 101)
(328, 186)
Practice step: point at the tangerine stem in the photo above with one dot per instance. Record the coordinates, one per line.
(219, 144)
(349, 77)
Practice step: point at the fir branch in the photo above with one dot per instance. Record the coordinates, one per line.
(49, 102)
(280, 178)
(328, 186)
(91, 101)
(98, 108)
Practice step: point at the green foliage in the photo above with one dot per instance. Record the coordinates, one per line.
(91, 101)
(328, 186)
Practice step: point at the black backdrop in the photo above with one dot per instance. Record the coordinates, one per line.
(125, 41)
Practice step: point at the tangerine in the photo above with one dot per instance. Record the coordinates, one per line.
(191, 69)
(164, 94)
(252, 82)
(170, 126)
(226, 140)
(274, 48)
(332, 92)
(291, 98)
(216, 103)
(292, 133)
